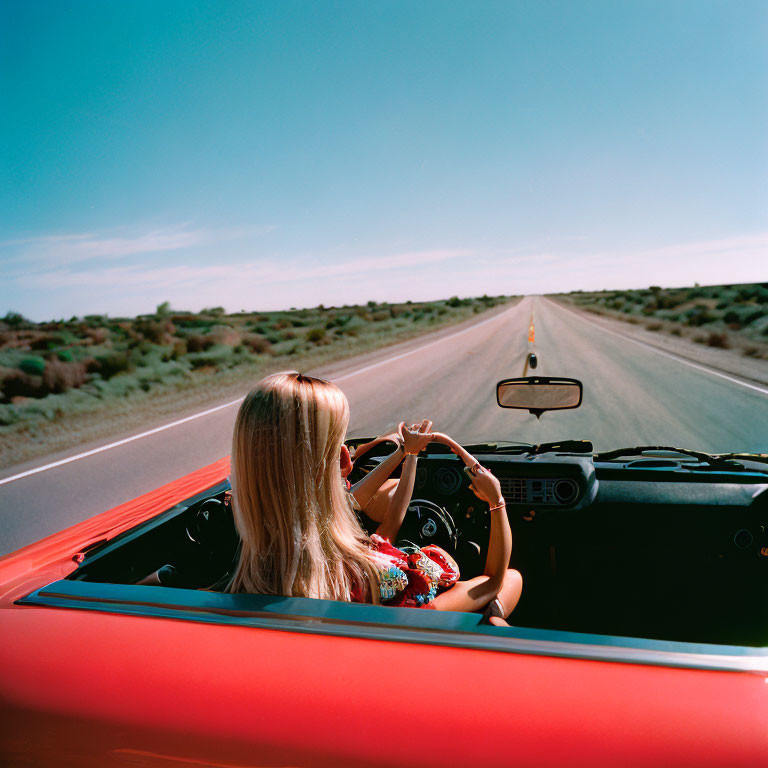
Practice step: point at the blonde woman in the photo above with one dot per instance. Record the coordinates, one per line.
(300, 535)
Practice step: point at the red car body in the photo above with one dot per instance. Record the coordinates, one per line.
(83, 688)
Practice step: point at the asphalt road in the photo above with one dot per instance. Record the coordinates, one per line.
(633, 394)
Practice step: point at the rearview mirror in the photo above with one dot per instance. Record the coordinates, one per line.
(537, 394)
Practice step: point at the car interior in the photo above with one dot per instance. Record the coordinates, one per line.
(644, 543)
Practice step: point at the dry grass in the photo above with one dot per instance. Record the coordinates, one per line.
(114, 417)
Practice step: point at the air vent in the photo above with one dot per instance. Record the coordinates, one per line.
(529, 490)
(566, 491)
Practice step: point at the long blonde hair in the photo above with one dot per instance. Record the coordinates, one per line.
(300, 535)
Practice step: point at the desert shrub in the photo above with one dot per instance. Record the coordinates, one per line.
(750, 351)
(193, 321)
(58, 376)
(217, 357)
(654, 326)
(20, 384)
(199, 343)
(96, 335)
(675, 331)
(753, 315)
(287, 335)
(34, 366)
(747, 292)
(257, 344)
(179, 349)
(65, 355)
(699, 315)
(110, 364)
(47, 341)
(718, 340)
(151, 329)
(224, 335)
(316, 335)
(381, 315)
(16, 321)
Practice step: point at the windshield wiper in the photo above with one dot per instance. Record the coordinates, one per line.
(761, 457)
(721, 462)
(563, 446)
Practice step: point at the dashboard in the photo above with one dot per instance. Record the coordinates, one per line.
(668, 550)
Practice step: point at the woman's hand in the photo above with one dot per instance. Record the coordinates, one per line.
(392, 437)
(416, 437)
(485, 485)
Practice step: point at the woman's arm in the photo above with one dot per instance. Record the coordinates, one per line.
(366, 488)
(414, 440)
(398, 504)
(475, 594)
(486, 487)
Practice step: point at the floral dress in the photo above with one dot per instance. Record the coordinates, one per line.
(411, 577)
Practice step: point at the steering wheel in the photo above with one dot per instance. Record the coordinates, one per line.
(428, 523)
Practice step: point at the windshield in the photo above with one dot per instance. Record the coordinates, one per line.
(635, 392)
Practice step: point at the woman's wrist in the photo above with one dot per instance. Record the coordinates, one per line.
(500, 504)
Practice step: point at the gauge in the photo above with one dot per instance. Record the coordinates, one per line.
(447, 480)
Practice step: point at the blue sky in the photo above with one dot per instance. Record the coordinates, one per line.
(263, 155)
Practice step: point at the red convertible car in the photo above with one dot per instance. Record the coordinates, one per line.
(640, 638)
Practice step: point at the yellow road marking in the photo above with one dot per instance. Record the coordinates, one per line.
(531, 340)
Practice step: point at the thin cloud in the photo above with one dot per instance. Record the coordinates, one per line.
(274, 283)
(258, 274)
(66, 249)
